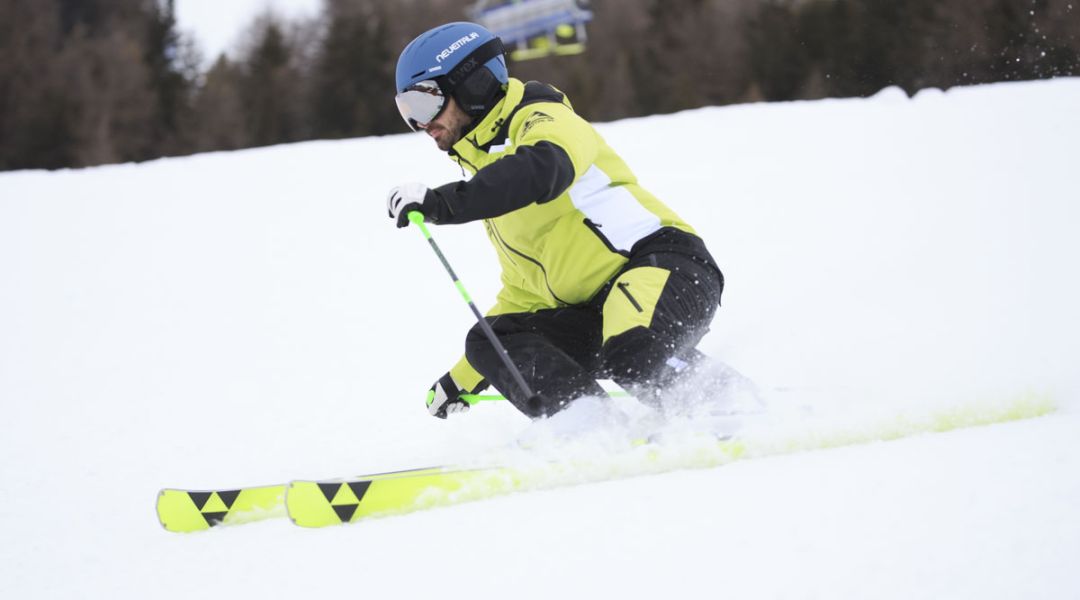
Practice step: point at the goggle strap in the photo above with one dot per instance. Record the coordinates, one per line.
(488, 50)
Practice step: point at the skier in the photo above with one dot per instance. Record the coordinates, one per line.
(600, 279)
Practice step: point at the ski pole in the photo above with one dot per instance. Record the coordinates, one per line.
(532, 399)
(473, 399)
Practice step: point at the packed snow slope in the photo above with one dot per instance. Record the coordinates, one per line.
(251, 317)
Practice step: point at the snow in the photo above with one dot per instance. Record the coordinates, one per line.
(251, 317)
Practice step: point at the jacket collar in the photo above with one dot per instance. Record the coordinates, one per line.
(488, 128)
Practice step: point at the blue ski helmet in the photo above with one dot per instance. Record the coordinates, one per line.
(463, 60)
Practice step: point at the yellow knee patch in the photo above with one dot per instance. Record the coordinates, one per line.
(632, 300)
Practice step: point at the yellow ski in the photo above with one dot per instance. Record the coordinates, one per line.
(323, 503)
(185, 511)
(319, 503)
(196, 510)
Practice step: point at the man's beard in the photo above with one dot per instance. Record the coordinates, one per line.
(453, 136)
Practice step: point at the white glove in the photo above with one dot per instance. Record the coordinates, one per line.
(444, 398)
(403, 199)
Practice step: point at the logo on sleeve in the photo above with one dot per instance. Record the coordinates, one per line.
(535, 119)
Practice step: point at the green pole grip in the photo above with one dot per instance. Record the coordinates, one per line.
(417, 218)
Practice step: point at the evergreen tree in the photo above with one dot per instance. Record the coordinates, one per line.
(354, 73)
(778, 60)
(269, 87)
(664, 63)
(219, 121)
(35, 113)
(86, 82)
(170, 85)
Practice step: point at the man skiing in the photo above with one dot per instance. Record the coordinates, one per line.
(600, 279)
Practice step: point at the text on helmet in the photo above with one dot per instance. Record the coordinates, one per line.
(445, 54)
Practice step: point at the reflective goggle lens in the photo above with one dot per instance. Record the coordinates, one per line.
(420, 103)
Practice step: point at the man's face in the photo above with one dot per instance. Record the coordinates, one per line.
(447, 127)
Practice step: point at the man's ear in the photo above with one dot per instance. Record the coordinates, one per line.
(474, 95)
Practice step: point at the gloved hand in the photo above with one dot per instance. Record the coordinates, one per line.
(404, 198)
(444, 398)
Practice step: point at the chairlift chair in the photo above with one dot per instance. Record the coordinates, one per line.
(535, 28)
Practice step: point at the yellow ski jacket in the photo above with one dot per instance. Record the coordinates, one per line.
(563, 211)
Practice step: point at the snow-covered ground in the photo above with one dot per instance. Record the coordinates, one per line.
(251, 317)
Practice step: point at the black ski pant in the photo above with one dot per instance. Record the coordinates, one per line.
(646, 321)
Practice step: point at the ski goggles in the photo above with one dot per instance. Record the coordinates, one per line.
(420, 103)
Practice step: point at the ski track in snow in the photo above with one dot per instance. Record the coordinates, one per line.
(252, 317)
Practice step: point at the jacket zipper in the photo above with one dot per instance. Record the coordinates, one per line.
(625, 289)
(501, 245)
(547, 284)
